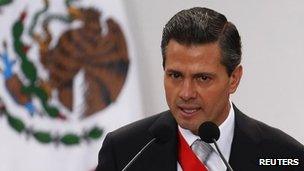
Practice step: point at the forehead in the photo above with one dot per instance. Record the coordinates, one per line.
(193, 57)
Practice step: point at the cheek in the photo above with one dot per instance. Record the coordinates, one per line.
(213, 95)
(168, 91)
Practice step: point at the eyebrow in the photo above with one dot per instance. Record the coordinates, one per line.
(172, 70)
(211, 74)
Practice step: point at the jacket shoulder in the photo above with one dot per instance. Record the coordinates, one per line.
(122, 144)
(135, 128)
(270, 139)
(276, 139)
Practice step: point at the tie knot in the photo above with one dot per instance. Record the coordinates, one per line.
(202, 150)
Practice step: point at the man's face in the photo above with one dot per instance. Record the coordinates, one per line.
(197, 85)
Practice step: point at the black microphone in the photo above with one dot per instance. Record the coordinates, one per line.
(210, 133)
(161, 133)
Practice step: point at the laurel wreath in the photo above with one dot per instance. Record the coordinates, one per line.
(46, 137)
(30, 71)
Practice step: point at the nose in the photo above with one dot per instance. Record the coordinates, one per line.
(187, 91)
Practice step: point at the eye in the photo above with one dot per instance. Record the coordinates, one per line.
(203, 78)
(175, 75)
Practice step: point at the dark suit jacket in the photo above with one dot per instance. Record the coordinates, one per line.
(253, 140)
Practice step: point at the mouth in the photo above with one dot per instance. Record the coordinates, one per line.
(187, 111)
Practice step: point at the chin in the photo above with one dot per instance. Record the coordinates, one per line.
(189, 126)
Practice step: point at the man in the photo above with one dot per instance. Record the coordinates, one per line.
(201, 59)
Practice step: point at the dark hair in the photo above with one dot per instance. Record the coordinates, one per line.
(200, 26)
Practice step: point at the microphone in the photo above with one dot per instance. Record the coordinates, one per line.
(161, 133)
(210, 133)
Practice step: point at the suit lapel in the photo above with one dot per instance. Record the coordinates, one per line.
(244, 149)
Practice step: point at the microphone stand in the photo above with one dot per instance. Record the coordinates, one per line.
(221, 155)
(138, 154)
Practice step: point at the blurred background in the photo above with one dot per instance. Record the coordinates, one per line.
(130, 83)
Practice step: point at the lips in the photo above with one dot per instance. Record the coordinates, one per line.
(189, 111)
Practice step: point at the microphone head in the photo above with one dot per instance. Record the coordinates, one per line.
(162, 132)
(208, 131)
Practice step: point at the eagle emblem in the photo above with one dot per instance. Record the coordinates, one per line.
(62, 74)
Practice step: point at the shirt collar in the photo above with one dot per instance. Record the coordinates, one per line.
(226, 134)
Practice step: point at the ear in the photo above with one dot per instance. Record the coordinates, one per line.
(235, 78)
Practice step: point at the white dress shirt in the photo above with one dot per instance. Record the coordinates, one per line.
(214, 163)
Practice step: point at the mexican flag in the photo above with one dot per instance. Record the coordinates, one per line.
(68, 76)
